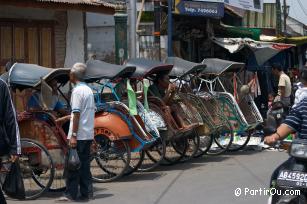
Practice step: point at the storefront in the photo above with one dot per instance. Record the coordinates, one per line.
(193, 24)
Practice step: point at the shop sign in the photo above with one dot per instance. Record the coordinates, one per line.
(199, 8)
(252, 5)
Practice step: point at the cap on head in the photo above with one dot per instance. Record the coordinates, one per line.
(78, 70)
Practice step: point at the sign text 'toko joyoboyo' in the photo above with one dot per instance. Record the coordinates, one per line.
(194, 8)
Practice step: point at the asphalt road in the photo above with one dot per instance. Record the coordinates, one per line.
(209, 180)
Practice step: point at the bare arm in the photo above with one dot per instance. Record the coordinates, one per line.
(169, 93)
(63, 119)
(75, 122)
(251, 83)
(168, 96)
(282, 132)
(76, 105)
(75, 127)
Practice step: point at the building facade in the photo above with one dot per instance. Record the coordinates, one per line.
(48, 33)
(101, 36)
(101, 29)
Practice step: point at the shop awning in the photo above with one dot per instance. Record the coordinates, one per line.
(292, 40)
(263, 51)
(238, 32)
(99, 6)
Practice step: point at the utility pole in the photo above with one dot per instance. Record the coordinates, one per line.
(169, 28)
(278, 18)
(286, 13)
(121, 44)
(157, 24)
(133, 12)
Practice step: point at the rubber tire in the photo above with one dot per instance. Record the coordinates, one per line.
(131, 169)
(220, 146)
(241, 146)
(196, 141)
(203, 151)
(128, 151)
(52, 169)
(156, 163)
(168, 161)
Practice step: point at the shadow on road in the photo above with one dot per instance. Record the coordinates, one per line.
(160, 171)
(55, 195)
(195, 163)
(206, 159)
(180, 166)
(243, 152)
(105, 195)
(142, 176)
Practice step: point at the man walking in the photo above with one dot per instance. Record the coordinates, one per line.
(81, 134)
(9, 132)
(284, 85)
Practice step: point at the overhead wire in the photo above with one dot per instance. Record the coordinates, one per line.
(302, 7)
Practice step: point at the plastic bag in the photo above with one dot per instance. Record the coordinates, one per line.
(13, 185)
(73, 160)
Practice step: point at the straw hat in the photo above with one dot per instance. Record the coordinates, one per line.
(244, 90)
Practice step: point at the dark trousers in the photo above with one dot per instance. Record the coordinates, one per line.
(2, 198)
(83, 176)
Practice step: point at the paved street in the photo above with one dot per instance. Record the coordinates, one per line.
(209, 180)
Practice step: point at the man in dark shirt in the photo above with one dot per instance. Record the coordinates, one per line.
(9, 132)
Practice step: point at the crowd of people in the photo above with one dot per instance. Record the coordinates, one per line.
(290, 92)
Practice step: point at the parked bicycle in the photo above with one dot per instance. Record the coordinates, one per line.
(181, 141)
(215, 126)
(144, 138)
(221, 79)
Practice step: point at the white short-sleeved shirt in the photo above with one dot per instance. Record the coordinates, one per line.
(300, 94)
(285, 81)
(82, 101)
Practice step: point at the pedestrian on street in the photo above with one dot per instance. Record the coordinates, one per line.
(284, 85)
(9, 131)
(301, 93)
(81, 135)
(294, 123)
